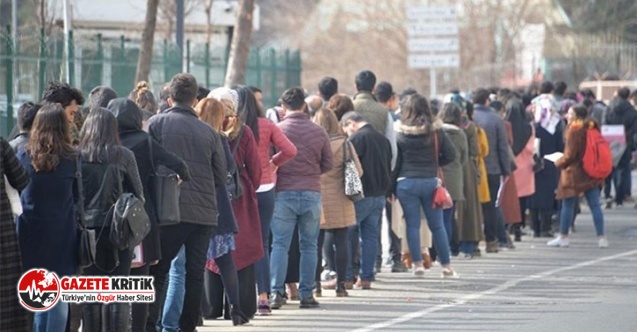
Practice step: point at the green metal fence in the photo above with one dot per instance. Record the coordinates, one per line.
(96, 60)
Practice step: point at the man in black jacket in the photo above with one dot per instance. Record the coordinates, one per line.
(374, 152)
(179, 131)
(621, 112)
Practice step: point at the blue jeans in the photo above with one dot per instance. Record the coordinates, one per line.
(52, 320)
(568, 211)
(302, 208)
(262, 266)
(449, 219)
(368, 211)
(175, 294)
(416, 193)
(467, 247)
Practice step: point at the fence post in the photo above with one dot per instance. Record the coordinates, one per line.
(207, 64)
(273, 92)
(165, 61)
(9, 80)
(188, 56)
(258, 56)
(71, 59)
(100, 57)
(42, 65)
(287, 68)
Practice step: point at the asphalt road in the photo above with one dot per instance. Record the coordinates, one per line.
(531, 288)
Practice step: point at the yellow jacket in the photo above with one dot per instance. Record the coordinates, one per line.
(483, 151)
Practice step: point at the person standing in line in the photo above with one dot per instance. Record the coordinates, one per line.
(298, 199)
(70, 98)
(340, 104)
(268, 136)
(374, 153)
(26, 115)
(179, 131)
(451, 117)
(338, 210)
(100, 96)
(48, 205)
(419, 137)
(498, 164)
(327, 87)
(13, 317)
(107, 166)
(574, 181)
(129, 119)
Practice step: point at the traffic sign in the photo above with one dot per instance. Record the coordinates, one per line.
(429, 12)
(431, 29)
(416, 45)
(423, 61)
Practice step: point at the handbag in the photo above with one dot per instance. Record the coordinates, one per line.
(87, 244)
(351, 178)
(235, 188)
(129, 221)
(14, 198)
(164, 193)
(441, 197)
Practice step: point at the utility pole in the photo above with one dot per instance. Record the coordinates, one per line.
(180, 30)
(65, 4)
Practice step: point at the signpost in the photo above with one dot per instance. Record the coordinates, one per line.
(432, 42)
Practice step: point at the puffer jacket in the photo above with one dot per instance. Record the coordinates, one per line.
(179, 131)
(338, 210)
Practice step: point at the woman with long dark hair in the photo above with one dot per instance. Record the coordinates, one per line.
(48, 205)
(107, 167)
(129, 119)
(419, 136)
(267, 135)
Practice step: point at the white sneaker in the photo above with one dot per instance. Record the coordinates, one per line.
(449, 274)
(419, 272)
(603, 243)
(558, 242)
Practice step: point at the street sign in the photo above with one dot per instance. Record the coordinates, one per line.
(431, 29)
(431, 13)
(416, 45)
(424, 61)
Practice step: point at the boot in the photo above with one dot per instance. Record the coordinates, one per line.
(118, 316)
(492, 247)
(426, 261)
(517, 232)
(341, 291)
(238, 317)
(92, 317)
(407, 260)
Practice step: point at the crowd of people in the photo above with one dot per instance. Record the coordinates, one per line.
(278, 205)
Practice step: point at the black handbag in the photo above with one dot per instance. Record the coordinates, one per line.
(164, 192)
(87, 244)
(235, 188)
(128, 219)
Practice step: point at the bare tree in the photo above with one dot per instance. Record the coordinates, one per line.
(208, 8)
(240, 49)
(148, 37)
(168, 13)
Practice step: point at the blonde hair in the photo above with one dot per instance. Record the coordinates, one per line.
(212, 112)
(327, 119)
(144, 98)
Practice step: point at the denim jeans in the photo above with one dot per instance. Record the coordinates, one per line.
(568, 211)
(52, 320)
(368, 211)
(262, 266)
(448, 217)
(467, 247)
(302, 208)
(175, 293)
(413, 194)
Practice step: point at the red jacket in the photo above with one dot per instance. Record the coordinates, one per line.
(270, 135)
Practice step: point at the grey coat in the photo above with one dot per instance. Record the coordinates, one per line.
(498, 161)
(453, 172)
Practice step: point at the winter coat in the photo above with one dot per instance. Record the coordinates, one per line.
(546, 180)
(573, 180)
(13, 317)
(374, 153)
(621, 112)
(454, 181)
(271, 136)
(509, 196)
(498, 161)
(179, 131)
(524, 174)
(338, 210)
(483, 152)
(470, 216)
(129, 120)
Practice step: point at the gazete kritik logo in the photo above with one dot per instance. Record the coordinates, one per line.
(40, 290)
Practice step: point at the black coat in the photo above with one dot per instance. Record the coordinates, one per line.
(227, 220)
(547, 179)
(182, 133)
(129, 119)
(374, 153)
(621, 112)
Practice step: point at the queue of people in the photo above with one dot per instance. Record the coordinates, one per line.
(294, 194)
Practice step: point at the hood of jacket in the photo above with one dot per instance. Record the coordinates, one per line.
(127, 113)
(400, 128)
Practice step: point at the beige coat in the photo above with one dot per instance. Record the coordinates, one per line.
(338, 210)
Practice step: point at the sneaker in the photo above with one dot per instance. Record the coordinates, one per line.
(398, 267)
(264, 308)
(276, 300)
(419, 272)
(558, 242)
(603, 243)
(449, 274)
(309, 303)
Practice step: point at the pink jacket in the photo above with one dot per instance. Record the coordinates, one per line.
(525, 177)
(270, 135)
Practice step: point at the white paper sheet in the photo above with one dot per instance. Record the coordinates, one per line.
(553, 157)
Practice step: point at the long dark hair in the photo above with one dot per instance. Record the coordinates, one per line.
(417, 112)
(248, 109)
(99, 133)
(50, 139)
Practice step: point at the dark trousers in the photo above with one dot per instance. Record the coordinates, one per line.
(195, 238)
(490, 211)
(334, 243)
(394, 241)
(262, 266)
(220, 304)
(541, 220)
(621, 180)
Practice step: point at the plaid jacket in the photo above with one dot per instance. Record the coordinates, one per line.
(12, 316)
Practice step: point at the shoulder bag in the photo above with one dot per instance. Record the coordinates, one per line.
(164, 193)
(353, 183)
(441, 198)
(86, 237)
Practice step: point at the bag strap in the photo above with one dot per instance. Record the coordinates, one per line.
(441, 175)
(80, 192)
(150, 152)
